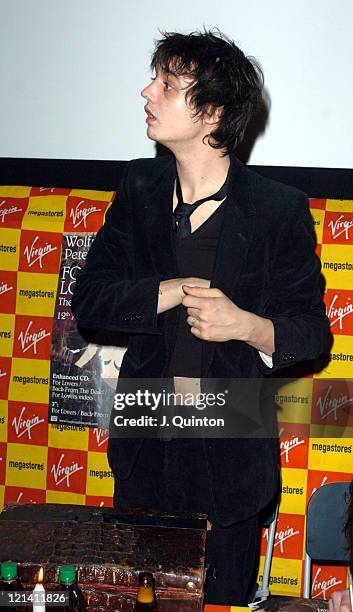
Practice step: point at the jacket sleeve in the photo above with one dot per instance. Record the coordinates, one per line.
(295, 304)
(107, 294)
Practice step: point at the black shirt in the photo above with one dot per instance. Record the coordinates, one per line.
(195, 257)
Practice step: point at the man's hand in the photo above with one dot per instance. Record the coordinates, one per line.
(212, 316)
(171, 293)
(339, 602)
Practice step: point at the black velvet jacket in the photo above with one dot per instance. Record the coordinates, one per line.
(265, 263)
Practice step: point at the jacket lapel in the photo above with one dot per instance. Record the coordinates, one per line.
(158, 222)
(235, 234)
(159, 231)
(234, 242)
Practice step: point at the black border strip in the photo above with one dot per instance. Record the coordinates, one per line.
(105, 174)
(333, 183)
(73, 173)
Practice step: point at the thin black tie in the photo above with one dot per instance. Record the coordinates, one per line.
(182, 212)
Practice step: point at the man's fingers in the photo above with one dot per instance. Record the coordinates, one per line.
(195, 332)
(192, 302)
(194, 312)
(192, 321)
(202, 291)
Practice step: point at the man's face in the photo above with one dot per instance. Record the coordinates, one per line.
(170, 119)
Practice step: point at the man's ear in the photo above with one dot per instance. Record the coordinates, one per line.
(213, 114)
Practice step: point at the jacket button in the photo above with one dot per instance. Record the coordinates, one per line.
(288, 356)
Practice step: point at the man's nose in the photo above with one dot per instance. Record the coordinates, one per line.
(147, 92)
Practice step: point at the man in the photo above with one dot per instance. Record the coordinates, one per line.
(226, 288)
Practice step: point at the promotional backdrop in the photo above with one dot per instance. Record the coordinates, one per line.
(50, 372)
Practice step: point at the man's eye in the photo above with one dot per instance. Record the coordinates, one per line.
(167, 85)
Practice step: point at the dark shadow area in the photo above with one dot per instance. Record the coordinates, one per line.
(161, 150)
(103, 337)
(255, 128)
(326, 183)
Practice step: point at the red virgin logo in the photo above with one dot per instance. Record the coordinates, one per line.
(66, 470)
(5, 288)
(329, 404)
(11, 210)
(97, 439)
(30, 339)
(286, 446)
(321, 586)
(35, 253)
(80, 213)
(337, 310)
(62, 473)
(23, 425)
(332, 402)
(33, 337)
(340, 226)
(288, 537)
(40, 251)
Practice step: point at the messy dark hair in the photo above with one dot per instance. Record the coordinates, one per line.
(222, 76)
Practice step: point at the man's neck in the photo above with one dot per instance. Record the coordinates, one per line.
(202, 173)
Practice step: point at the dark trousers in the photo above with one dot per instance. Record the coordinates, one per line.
(172, 477)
